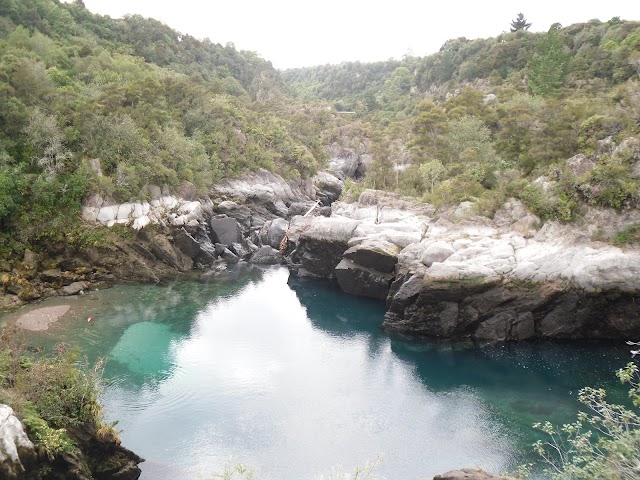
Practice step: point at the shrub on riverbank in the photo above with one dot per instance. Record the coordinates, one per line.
(55, 396)
(603, 443)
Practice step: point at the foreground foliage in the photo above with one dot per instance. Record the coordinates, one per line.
(237, 471)
(604, 442)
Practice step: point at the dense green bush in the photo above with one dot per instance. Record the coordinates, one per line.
(609, 185)
(158, 107)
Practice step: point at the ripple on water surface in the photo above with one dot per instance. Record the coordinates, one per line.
(293, 378)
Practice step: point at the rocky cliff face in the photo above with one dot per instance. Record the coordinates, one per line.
(451, 275)
(457, 276)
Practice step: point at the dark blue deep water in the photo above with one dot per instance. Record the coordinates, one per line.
(294, 378)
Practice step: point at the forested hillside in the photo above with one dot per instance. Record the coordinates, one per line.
(94, 104)
(481, 119)
(91, 103)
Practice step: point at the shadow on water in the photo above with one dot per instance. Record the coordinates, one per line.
(522, 383)
(525, 382)
(341, 315)
(335, 312)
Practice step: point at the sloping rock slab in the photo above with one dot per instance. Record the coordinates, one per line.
(185, 242)
(379, 255)
(165, 251)
(358, 280)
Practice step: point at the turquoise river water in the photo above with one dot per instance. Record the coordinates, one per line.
(294, 378)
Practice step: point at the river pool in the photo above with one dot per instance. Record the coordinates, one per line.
(294, 378)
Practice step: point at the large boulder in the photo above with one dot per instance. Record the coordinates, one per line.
(273, 232)
(225, 230)
(356, 279)
(74, 288)
(267, 255)
(376, 254)
(16, 450)
(319, 244)
(241, 213)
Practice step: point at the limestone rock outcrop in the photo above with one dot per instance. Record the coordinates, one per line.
(270, 193)
(349, 154)
(166, 209)
(16, 449)
(246, 213)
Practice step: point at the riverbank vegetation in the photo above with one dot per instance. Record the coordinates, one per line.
(56, 398)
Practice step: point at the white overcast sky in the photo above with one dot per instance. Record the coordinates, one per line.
(296, 33)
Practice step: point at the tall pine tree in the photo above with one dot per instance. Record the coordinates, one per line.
(520, 23)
